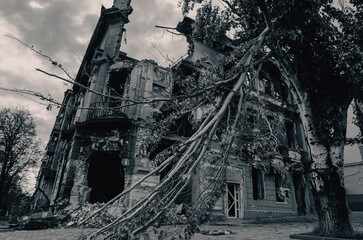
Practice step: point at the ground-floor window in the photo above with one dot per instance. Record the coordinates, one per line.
(233, 200)
(281, 187)
(258, 184)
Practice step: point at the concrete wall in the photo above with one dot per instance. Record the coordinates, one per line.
(353, 174)
(250, 208)
(268, 207)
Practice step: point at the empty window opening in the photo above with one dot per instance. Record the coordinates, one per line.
(117, 81)
(182, 127)
(284, 93)
(105, 177)
(270, 83)
(258, 184)
(281, 187)
(278, 188)
(233, 200)
(290, 134)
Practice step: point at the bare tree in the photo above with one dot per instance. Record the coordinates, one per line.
(19, 150)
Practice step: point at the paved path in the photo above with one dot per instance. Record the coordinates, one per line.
(47, 234)
(244, 232)
(278, 231)
(265, 231)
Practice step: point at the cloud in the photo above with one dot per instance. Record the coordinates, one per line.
(51, 28)
(62, 29)
(142, 34)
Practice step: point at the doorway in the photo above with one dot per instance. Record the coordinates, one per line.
(299, 187)
(233, 200)
(105, 177)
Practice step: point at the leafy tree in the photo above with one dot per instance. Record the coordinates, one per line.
(19, 152)
(318, 50)
(318, 53)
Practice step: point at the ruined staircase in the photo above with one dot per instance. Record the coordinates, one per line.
(5, 225)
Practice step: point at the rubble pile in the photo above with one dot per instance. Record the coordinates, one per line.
(83, 211)
(37, 223)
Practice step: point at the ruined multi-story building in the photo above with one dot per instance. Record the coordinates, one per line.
(91, 154)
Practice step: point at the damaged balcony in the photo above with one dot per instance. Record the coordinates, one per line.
(99, 111)
(51, 149)
(47, 172)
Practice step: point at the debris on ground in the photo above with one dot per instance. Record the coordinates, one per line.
(215, 232)
(37, 223)
(83, 211)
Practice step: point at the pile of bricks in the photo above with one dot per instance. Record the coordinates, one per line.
(83, 211)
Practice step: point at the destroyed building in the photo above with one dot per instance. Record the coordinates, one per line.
(91, 153)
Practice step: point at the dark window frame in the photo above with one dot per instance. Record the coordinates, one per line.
(258, 184)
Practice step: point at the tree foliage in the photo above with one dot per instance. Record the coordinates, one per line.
(317, 49)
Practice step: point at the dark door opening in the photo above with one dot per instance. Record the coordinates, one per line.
(299, 186)
(105, 177)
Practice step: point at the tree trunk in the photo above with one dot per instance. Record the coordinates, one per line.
(327, 177)
(331, 204)
(327, 181)
(329, 192)
(3, 201)
(3, 194)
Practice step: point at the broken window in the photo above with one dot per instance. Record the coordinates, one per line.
(270, 83)
(182, 127)
(117, 81)
(258, 184)
(105, 177)
(233, 200)
(281, 187)
(284, 93)
(290, 134)
(278, 186)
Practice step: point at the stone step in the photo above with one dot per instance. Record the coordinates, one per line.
(4, 228)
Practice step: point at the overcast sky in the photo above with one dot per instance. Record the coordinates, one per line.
(62, 29)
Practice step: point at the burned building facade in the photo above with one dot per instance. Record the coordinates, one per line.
(92, 152)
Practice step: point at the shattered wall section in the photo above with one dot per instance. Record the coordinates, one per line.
(98, 145)
(204, 54)
(148, 82)
(80, 190)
